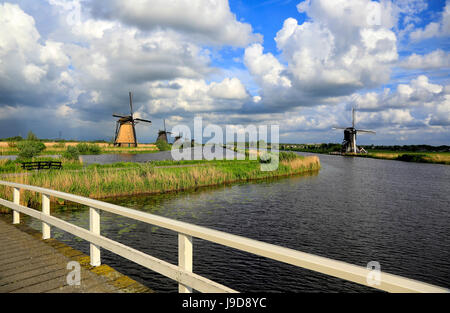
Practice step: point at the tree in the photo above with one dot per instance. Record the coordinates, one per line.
(31, 136)
(29, 148)
(162, 145)
(71, 153)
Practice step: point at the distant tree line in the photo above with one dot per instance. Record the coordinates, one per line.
(411, 148)
(315, 148)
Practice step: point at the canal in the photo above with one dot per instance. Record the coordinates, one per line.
(355, 210)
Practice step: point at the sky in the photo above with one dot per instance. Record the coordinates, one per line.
(67, 66)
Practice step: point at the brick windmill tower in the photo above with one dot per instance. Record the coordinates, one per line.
(125, 135)
(349, 142)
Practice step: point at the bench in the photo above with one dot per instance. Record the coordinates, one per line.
(41, 165)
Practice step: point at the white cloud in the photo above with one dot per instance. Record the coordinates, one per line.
(195, 96)
(209, 21)
(428, 102)
(441, 113)
(53, 52)
(80, 70)
(387, 117)
(265, 67)
(228, 89)
(33, 73)
(18, 29)
(434, 29)
(28, 68)
(341, 48)
(419, 92)
(411, 7)
(434, 60)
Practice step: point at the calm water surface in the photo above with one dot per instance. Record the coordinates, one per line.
(355, 210)
(192, 154)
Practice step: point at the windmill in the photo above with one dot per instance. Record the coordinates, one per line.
(125, 135)
(162, 134)
(349, 142)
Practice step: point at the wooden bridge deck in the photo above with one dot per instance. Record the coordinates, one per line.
(29, 264)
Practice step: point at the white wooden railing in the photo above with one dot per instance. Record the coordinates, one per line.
(182, 273)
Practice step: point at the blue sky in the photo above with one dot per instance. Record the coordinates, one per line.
(67, 65)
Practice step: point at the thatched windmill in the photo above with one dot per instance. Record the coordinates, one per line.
(125, 131)
(349, 142)
(162, 134)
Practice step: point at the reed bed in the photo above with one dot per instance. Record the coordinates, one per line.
(146, 179)
(438, 158)
(390, 156)
(307, 162)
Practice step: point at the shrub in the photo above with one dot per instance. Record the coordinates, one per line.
(7, 165)
(71, 153)
(163, 146)
(31, 136)
(59, 145)
(412, 158)
(288, 156)
(29, 148)
(92, 148)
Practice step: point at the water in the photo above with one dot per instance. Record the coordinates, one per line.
(192, 154)
(146, 157)
(355, 210)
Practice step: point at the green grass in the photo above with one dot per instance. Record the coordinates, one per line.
(420, 157)
(137, 178)
(60, 150)
(9, 166)
(407, 156)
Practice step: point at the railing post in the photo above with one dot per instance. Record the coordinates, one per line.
(16, 200)
(184, 258)
(94, 227)
(45, 210)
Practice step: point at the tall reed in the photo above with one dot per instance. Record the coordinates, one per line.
(110, 182)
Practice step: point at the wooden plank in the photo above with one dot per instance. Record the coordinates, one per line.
(29, 264)
(184, 277)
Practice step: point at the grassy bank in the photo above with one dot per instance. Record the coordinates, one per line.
(411, 153)
(420, 157)
(147, 178)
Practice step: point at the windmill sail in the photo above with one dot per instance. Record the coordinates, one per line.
(349, 142)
